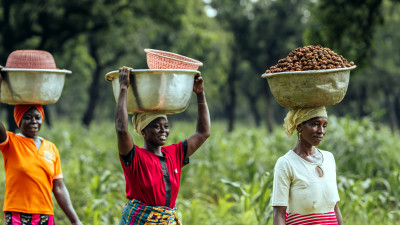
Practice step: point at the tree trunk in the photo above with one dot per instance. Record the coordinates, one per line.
(230, 109)
(361, 101)
(397, 109)
(47, 116)
(269, 110)
(12, 126)
(391, 112)
(252, 100)
(94, 87)
(391, 104)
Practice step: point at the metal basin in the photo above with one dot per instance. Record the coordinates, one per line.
(309, 88)
(164, 91)
(32, 86)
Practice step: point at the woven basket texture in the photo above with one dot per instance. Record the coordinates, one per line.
(157, 59)
(30, 59)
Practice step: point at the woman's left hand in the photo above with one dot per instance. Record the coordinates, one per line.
(198, 86)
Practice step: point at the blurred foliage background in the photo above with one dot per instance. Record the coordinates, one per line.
(229, 182)
(236, 40)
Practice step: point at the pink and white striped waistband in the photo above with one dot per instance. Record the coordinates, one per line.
(311, 219)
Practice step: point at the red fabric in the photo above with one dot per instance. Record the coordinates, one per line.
(310, 219)
(144, 177)
(20, 110)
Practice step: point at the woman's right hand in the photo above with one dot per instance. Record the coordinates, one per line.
(125, 141)
(124, 78)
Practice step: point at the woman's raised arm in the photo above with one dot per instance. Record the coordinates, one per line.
(125, 141)
(203, 118)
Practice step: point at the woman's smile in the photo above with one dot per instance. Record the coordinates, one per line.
(319, 137)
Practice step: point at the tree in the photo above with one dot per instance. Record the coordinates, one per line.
(163, 25)
(270, 39)
(369, 38)
(381, 76)
(45, 25)
(259, 40)
(352, 39)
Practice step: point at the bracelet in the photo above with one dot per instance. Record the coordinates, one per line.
(202, 103)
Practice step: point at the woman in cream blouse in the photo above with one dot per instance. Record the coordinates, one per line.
(304, 189)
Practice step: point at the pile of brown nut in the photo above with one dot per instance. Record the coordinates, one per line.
(310, 58)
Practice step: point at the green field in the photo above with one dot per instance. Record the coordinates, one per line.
(229, 179)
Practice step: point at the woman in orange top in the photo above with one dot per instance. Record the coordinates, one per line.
(33, 171)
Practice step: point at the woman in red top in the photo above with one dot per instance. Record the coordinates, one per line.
(152, 173)
(33, 171)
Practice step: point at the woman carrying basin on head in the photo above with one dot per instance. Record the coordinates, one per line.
(304, 188)
(152, 173)
(33, 171)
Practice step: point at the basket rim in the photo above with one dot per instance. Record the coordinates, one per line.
(268, 75)
(110, 75)
(154, 52)
(36, 70)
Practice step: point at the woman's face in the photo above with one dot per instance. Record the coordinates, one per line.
(157, 132)
(313, 130)
(31, 122)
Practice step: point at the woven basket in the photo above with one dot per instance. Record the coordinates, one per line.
(157, 59)
(30, 59)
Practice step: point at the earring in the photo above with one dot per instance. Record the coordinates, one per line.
(299, 136)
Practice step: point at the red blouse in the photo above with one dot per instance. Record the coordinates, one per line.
(153, 179)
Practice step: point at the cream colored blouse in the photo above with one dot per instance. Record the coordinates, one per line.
(298, 186)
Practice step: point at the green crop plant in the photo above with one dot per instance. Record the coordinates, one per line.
(229, 179)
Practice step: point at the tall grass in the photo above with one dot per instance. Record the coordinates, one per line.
(229, 179)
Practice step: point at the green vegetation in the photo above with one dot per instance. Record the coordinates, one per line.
(229, 180)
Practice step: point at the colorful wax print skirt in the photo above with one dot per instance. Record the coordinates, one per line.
(16, 218)
(310, 219)
(138, 213)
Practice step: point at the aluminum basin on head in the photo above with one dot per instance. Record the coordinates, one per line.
(309, 88)
(32, 86)
(164, 91)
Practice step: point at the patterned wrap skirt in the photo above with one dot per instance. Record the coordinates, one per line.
(138, 213)
(16, 218)
(311, 219)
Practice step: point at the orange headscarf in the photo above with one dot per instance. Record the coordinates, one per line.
(20, 110)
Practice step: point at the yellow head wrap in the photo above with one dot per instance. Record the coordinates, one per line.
(141, 120)
(299, 115)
